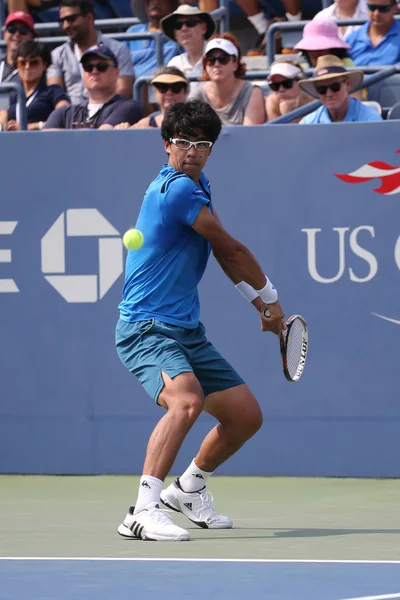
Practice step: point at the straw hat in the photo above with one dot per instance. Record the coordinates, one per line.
(330, 67)
(167, 23)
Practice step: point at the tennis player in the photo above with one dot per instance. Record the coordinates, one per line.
(160, 339)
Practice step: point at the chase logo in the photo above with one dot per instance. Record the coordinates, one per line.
(82, 222)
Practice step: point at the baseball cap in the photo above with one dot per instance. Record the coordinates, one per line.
(101, 50)
(21, 16)
(221, 44)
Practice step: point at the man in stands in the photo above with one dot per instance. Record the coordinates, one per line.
(77, 21)
(332, 85)
(190, 28)
(105, 108)
(377, 42)
(19, 27)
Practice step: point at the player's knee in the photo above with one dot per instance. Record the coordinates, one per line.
(252, 421)
(189, 409)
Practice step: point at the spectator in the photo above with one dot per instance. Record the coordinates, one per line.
(170, 86)
(378, 41)
(103, 9)
(143, 52)
(77, 21)
(345, 9)
(33, 58)
(321, 38)
(286, 94)
(19, 26)
(105, 108)
(190, 28)
(236, 101)
(332, 85)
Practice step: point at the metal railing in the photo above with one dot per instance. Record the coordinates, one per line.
(302, 111)
(299, 26)
(21, 101)
(220, 15)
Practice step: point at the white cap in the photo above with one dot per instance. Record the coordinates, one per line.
(222, 44)
(285, 70)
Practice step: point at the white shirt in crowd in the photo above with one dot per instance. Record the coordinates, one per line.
(182, 63)
(332, 12)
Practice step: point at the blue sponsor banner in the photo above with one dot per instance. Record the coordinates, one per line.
(320, 208)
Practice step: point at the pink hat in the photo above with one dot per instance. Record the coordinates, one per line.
(320, 35)
(23, 17)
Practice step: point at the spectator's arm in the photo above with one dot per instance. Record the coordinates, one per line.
(125, 112)
(3, 119)
(272, 107)
(56, 119)
(56, 80)
(126, 73)
(55, 72)
(255, 111)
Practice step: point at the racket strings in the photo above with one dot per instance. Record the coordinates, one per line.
(295, 348)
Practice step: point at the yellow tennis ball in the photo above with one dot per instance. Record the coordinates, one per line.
(133, 239)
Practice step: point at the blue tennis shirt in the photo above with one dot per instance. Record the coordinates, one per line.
(161, 278)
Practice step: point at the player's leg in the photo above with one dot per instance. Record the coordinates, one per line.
(149, 351)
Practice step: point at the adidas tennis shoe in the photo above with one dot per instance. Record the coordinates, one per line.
(196, 506)
(152, 523)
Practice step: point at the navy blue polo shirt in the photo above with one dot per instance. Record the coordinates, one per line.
(40, 104)
(387, 52)
(115, 111)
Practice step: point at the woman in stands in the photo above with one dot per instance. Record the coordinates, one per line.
(321, 38)
(170, 85)
(236, 101)
(286, 94)
(32, 61)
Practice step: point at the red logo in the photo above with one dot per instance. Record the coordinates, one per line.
(389, 176)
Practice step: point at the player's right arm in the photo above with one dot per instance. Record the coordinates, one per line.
(237, 261)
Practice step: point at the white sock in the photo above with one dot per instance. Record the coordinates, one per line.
(260, 22)
(294, 17)
(193, 479)
(149, 491)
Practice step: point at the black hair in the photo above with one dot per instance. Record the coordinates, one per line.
(85, 6)
(32, 49)
(189, 118)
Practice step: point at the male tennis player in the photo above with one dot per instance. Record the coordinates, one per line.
(160, 339)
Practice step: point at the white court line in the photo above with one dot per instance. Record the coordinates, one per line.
(225, 560)
(385, 597)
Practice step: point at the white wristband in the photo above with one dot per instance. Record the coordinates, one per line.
(247, 291)
(268, 293)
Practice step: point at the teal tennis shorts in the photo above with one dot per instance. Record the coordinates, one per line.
(148, 347)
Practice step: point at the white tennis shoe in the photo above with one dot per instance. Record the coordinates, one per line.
(196, 506)
(152, 523)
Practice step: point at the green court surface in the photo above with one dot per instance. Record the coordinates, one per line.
(274, 518)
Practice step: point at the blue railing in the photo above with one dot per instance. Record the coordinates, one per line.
(308, 108)
(21, 101)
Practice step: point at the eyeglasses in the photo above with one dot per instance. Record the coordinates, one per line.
(201, 146)
(334, 87)
(100, 66)
(223, 59)
(33, 62)
(21, 30)
(189, 23)
(382, 8)
(176, 88)
(287, 84)
(69, 18)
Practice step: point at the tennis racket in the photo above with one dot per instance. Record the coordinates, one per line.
(294, 346)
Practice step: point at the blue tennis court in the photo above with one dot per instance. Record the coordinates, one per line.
(117, 579)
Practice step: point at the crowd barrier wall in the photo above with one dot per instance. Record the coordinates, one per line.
(330, 244)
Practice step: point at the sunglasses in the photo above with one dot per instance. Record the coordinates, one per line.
(176, 88)
(69, 18)
(201, 146)
(223, 59)
(33, 62)
(100, 66)
(21, 30)
(189, 23)
(287, 84)
(334, 87)
(385, 8)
